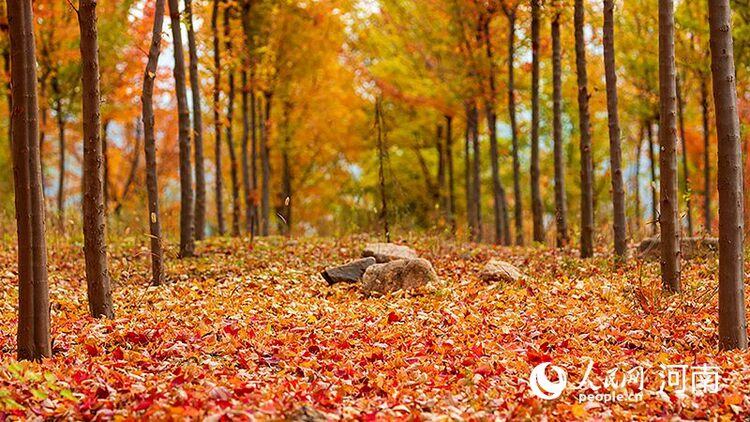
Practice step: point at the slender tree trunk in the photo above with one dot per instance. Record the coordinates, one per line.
(451, 198)
(669, 218)
(536, 197)
(60, 118)
(254, 110)
(218, 188)
(478, 234)
(587, 166)
(382, 156)
(498, 192)
(732, 317)
(149, 146)
(654, 196)
(265, 164)
(186, 175)
(95, 246)
(440, 191)
(469, 187)
(229, 129)
(561, 206)
(195, 91)
(706, 159)
(286, 173)
(518, 209)
(685, 174)
(247, 187)
(636, 182)
(33, 296)
(106, 182)
(615, 151)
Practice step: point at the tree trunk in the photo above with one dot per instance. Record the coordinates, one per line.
(94, 246)
(149, 146)
(440, 201)
(637, 183)
(382, 156)
(195, 91)
(105, 155)
(654, 196)
(732, 318)
(706, 159)
(218, 188)
(498, 192)
(587, 166)
(561, 206)
(247, 187)
(254, 111)
(536, 197)
(518, 209)
(286, 173)
(478, 235)
(133, 167)
(468, 185)
(685, 174)
(229, 129)
(33, 296)
(669, 218)
(451, 197)
(186, 175)
(615, 152)
(265, 164)
(60, 118)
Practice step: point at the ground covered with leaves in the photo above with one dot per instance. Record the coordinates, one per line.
(253, 331)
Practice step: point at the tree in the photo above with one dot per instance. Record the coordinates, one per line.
(94, 247)
(218, 187)
(732, 318)
(149, 146)
(615, 153)
(186, 178)
(561, 208)
(536, 196)
(652, 162)
(230, 120)
(33, 335)
(707, 187)
(587, 166)
(195, 92)
(510, 13)
(683, 145)
(669, 221)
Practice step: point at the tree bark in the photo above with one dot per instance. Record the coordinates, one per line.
(468, 185)
(195, 91)
(478, 234)
(536, 197)
(615, 151)
(561, 206)
(669, 218)
(708, 220)
(265, 164)
(106, 182)
(254, 112)
(382, 156)
(587, 166)
(149, 146)
(286, 173)
(218, 176)
(732, 313)
(451, 197)
(60, 118)
(94, 246)
(440, 200)
(518, 206)
(498, 192)
(654, 195)
(33, 336)
(637, 182)
(247, 187)
(685, 173)
(187, 245)
(230, 124)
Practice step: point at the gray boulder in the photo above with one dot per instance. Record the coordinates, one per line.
(497, 270)
(387, 252)
(690, 247)
(397, 275)
(351, 272)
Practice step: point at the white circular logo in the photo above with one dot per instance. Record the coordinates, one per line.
(542, 387)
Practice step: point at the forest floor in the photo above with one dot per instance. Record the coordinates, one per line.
(253, 331)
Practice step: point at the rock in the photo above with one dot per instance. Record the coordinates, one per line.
(386, 252)
(348, 273)
(497, 270)
(396, 275)
(691, 247)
